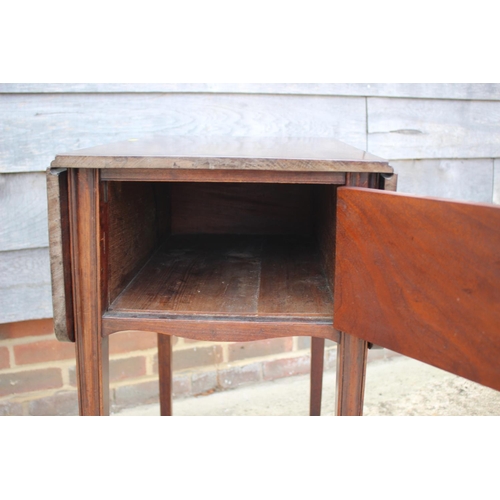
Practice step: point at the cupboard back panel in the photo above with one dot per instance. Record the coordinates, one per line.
(226, 208)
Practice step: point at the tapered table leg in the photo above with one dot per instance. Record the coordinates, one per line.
(351, 374)
(165, 374)
(317, 360)
(92, 357)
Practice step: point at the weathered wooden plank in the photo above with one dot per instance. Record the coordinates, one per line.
(198, 275)
(23, 209)
(60, 254)
(401, 129)
(468, 180)
(37, 127)
(484, 91)
(496, 182)
(25, 291)
(231, 276)
(292, 280)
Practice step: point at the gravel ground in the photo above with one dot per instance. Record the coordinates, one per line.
(396, 386)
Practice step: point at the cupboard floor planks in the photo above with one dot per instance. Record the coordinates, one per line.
(228, 276)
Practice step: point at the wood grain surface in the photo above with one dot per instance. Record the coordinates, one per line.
(401, 129)
(92, 349)
(217, 329)
(242, 209)
(299, 154)
(464, 180)
(132, 231)
(165, 373)
(25, 285)
(316, 381)
(38, 126)
(231, 276)
(23, 209)
(60, 254)
(351, 374)
(202, 175)
(496, 182)
(421, 277)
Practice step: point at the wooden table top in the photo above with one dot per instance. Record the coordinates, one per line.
(294, 154)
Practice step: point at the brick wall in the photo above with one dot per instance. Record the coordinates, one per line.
(37, 373)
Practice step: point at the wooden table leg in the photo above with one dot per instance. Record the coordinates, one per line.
(351, 351)
(92, 357)
(351, 374)
(317, 361)
(165, 374)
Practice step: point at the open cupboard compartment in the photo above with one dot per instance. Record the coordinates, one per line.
(218, 251)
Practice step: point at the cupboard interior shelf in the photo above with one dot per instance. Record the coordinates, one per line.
(263, 277)
(230, 256)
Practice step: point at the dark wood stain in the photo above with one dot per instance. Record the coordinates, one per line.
(246, 176)
(241, 209)
(218, 329)
(228, 239)
(133, 231)
(227, 275)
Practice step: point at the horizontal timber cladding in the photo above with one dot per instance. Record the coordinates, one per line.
(425, 122)
(25, 291)
(468, 180)
(479, 91)
(23, 209)
(401, 129)
(496, 182)
(39, 126)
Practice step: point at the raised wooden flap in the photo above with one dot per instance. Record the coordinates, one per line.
(421, 277)
(59, 242)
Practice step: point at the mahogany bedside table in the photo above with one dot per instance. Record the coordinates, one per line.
(215, 238)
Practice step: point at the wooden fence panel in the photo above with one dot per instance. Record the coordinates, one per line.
(23, 209)
(480, 91)
(468, 180)
(400, 129)
(496, 182)
(38, 126)
(25, 291)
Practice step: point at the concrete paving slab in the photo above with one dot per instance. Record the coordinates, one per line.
(395, 386)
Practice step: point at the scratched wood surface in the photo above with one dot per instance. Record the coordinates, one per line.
(231, 276)
(60, 254)
(294, 154)
(421, 277)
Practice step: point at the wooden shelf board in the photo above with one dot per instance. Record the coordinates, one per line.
(228, 277)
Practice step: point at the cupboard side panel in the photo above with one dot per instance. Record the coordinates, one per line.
(135, 228)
